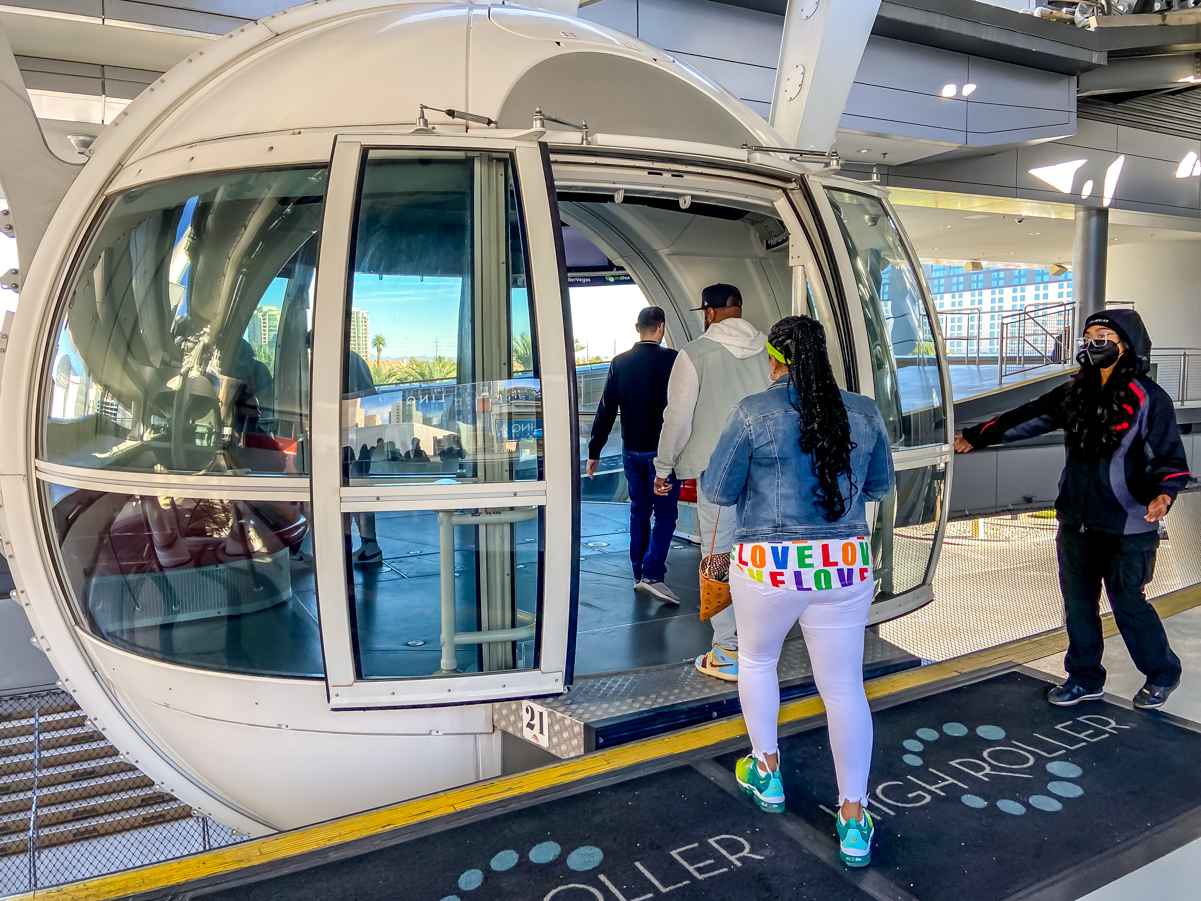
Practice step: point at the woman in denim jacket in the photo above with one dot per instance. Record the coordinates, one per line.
(800, 460)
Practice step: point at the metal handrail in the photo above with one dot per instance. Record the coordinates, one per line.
(1183, 391)
(967, 339)
(1030, 317)
(450, 636)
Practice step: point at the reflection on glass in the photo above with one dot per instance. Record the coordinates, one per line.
(1002, 321)
(441, 376)
(907, 526)
(903, 351)
(213, 584)
(185, 343)
(451, 591)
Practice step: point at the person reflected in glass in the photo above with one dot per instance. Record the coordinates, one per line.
(800, 461)
(636, 387)
(452, 449)
(359, 383)
(1125, 466)
(418, 454)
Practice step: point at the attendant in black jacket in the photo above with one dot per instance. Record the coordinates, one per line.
(637, 388)
(1125, 466)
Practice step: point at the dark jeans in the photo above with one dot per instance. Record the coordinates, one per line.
(1125, 564)
(648, 548)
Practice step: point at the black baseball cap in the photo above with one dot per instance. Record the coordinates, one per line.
(720, 296)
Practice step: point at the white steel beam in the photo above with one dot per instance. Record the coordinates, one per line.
(820, 53)
(33, 178)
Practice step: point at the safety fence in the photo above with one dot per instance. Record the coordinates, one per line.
(1035, 337)
(1178, 372)
(71, 807)
(997, 581)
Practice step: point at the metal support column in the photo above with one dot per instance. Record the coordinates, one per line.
(1089, 259)
(820, 52)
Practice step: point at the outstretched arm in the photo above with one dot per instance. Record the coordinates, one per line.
(1038, 417)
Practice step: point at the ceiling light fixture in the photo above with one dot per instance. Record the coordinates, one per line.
(1187, 165)
(950, 90)
(1059, 176)
(968, 89)
(1112, 174)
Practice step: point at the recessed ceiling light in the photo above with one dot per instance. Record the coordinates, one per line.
(950, 90)
(1035, 234)
(969, 89)
(865, 150)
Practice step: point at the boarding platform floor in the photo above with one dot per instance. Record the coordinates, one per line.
(979, 788)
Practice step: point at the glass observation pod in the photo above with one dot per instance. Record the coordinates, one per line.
(438, 487)
(309, 417)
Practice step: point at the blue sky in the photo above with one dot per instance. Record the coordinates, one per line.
(415, 315)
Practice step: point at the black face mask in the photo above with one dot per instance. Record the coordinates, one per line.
(1098, 354)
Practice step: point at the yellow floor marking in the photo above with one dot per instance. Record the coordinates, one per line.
(420, 810)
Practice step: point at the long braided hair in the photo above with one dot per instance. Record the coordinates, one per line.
(813, 393)
(1098, 417)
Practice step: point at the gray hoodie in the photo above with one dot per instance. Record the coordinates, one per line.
(711, 375)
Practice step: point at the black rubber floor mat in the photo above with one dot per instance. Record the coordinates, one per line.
(673, 833)
(988, 792)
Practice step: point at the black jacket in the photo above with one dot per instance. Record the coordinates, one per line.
(637, 387)
(1109, 493)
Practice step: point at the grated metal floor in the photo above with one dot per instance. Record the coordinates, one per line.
(997, 581)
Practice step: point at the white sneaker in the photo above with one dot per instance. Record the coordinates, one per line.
(661, 591)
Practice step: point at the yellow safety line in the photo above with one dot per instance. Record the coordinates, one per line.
(420, 810)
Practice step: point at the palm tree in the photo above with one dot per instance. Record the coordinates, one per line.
(523, 352)
(378, 342)
(435, 370)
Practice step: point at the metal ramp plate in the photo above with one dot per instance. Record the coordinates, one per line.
(606, 710)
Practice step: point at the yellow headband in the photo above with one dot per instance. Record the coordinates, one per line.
(776, 354)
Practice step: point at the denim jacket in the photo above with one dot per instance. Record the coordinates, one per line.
(758, 464)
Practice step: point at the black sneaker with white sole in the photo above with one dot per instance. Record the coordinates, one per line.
(1152, 697)
(1070, 693)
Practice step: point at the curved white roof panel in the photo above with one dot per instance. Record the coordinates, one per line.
(353, 64)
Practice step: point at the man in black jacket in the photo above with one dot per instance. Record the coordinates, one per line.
(1125, 465)
(637, 387)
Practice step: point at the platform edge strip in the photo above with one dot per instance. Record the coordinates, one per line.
(308, 839)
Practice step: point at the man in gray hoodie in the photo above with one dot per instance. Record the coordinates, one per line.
(711, 375)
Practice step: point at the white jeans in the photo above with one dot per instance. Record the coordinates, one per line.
(833, 622)
(725, 624)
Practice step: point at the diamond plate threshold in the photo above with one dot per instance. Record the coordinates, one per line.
(611, 709)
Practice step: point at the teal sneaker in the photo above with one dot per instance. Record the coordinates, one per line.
(766, 789)
(855, 839)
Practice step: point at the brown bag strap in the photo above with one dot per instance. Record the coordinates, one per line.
(713, 540)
